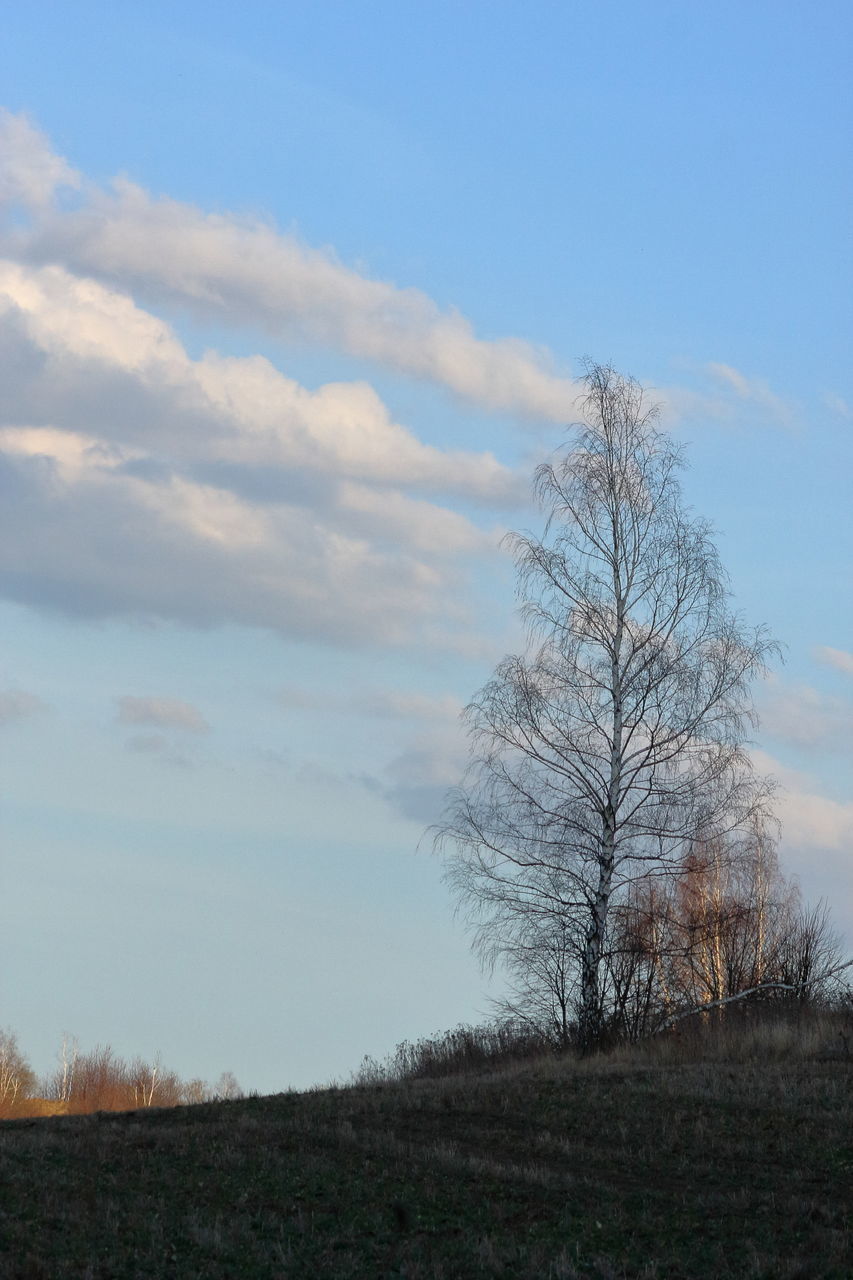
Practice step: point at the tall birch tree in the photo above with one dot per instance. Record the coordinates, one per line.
(601, 752)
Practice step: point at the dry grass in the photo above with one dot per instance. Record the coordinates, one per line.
(615, 1167)
(751, 1033)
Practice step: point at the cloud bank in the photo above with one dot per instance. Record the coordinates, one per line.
(139, 481)
(244, 271)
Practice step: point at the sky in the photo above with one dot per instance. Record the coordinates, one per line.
(293, 299)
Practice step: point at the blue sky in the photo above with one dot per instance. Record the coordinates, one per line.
(291, 302)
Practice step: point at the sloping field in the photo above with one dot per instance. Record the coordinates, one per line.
(550, 1170)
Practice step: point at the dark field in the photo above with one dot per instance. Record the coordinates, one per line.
(551, 1169)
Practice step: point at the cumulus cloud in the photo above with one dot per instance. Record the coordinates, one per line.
(840, 659)
(238, 270)
(815, 820)
(30, 171)
(85, 529)
(15, 704)
(809, 819)
(164, 713)
(138, 481)
(88, 358)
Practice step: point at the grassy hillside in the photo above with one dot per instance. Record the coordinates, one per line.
(609, 1168)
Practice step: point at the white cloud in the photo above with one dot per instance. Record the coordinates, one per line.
(725, 396)
(816, 838)
(816, 821)
(244, 271)
(382, 514)
(838, 658)
(141, 482)
(164, 713)
(753, 390)
(30, 172)
(809, 819)
(87, 358)
(88, 531)
(103, 538)
(15, 704)
(806, 717)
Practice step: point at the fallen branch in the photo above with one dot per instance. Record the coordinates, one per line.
(751, 991)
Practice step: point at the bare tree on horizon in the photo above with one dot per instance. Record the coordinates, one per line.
(618, 739)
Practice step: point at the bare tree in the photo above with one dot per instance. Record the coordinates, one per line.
(726, 926)
(99, 1080)
(227, 1087)
(16, 1077)
(58, 1085)
(810, 957)
(619, 734)
(196, 1091)
(541, 961)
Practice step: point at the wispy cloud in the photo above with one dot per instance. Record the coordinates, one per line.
(416, 781)
(385, 704)
(394, 704)
(164, 713)
(816, 821)
(840, 659)
(754, 391)
(245, 271)
(15, 704)
(806, 717)
(837, 404)
(725, 396)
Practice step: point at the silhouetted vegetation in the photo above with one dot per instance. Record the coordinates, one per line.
(725, 924)
(720, 1150)
(460, 1050)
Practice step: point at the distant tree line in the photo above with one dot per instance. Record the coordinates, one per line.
(97, 1080)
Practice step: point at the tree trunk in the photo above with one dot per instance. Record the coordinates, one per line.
(590, 1013)
(590, 1028)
